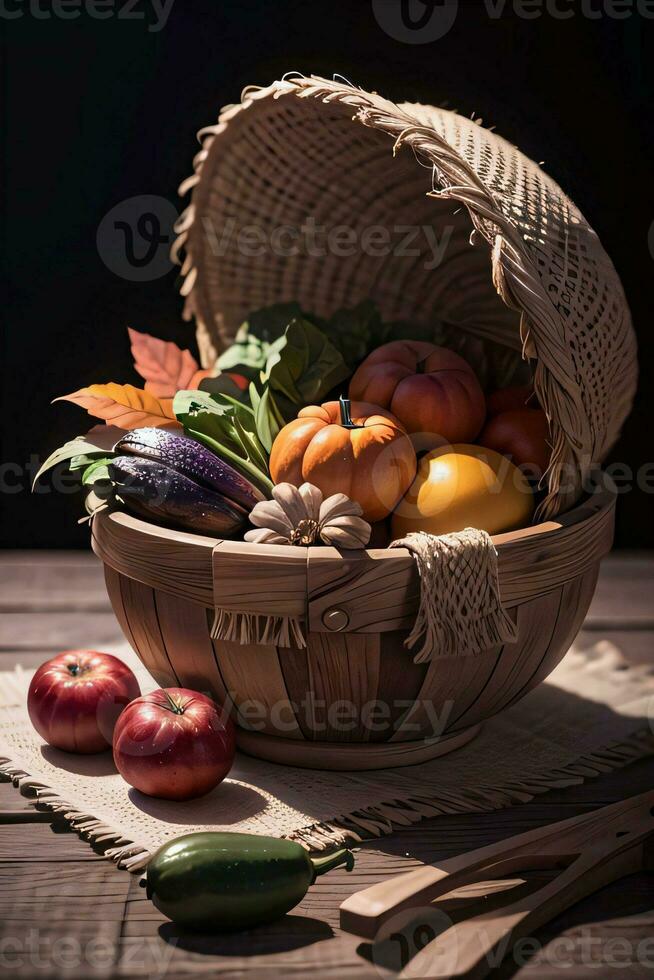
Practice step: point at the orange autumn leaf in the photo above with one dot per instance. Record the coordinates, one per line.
(165, 368)
(124, 405)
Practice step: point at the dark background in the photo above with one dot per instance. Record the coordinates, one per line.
(99, 111)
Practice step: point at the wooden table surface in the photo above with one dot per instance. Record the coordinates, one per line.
(67, 912)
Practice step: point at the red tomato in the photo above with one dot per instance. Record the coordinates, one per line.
(431, 390)
(506, 399)
(174, 743)
(75, 699)
(523, 435)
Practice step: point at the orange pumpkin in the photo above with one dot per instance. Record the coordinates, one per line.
(357, 449)
(523, 435)
(431, 390)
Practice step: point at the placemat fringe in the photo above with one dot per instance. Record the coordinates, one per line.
(378, 821)
(360, 825)
(125, 853)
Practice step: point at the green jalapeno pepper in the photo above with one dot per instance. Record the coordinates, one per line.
(224, 882)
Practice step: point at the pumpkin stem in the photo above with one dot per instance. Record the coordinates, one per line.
(346, 415)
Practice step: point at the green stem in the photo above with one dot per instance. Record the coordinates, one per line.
(255, 474)
(341, 857)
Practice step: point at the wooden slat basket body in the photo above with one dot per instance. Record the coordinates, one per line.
(354, 698)
(519, 278)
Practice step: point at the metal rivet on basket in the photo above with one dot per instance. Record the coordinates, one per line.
(335, 619)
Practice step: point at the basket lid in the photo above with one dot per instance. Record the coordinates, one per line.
(300, 193)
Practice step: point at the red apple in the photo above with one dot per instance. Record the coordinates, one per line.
(75, 699)
(174, 743)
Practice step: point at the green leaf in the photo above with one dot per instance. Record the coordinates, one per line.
(302, 367)
(248, 435)
(228, 428)
(245, 466)
(67, 453)
(82, 450)
(243, 409)
(270, 322)
(222, 384)
(83, 460)
(357, 331)
(97, 470)
(495, 365)
(246, 356)
(194, 404)
(249, 352)
(268, 418)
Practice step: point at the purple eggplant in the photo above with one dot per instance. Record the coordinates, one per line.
(160, 493)
(193, 460)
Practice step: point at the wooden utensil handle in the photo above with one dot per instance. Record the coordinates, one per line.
(366, 911)
(472, 948)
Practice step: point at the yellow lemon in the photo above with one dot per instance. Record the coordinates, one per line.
(464, 486)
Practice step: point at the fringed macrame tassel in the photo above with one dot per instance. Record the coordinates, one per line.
(240, 627)
(461, 612)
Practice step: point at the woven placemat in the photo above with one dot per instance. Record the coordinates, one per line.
(594, 714)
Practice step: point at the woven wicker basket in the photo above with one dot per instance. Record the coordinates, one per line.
(522, 274)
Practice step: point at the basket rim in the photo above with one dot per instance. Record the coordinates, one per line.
(531, 560)
(601, 498)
